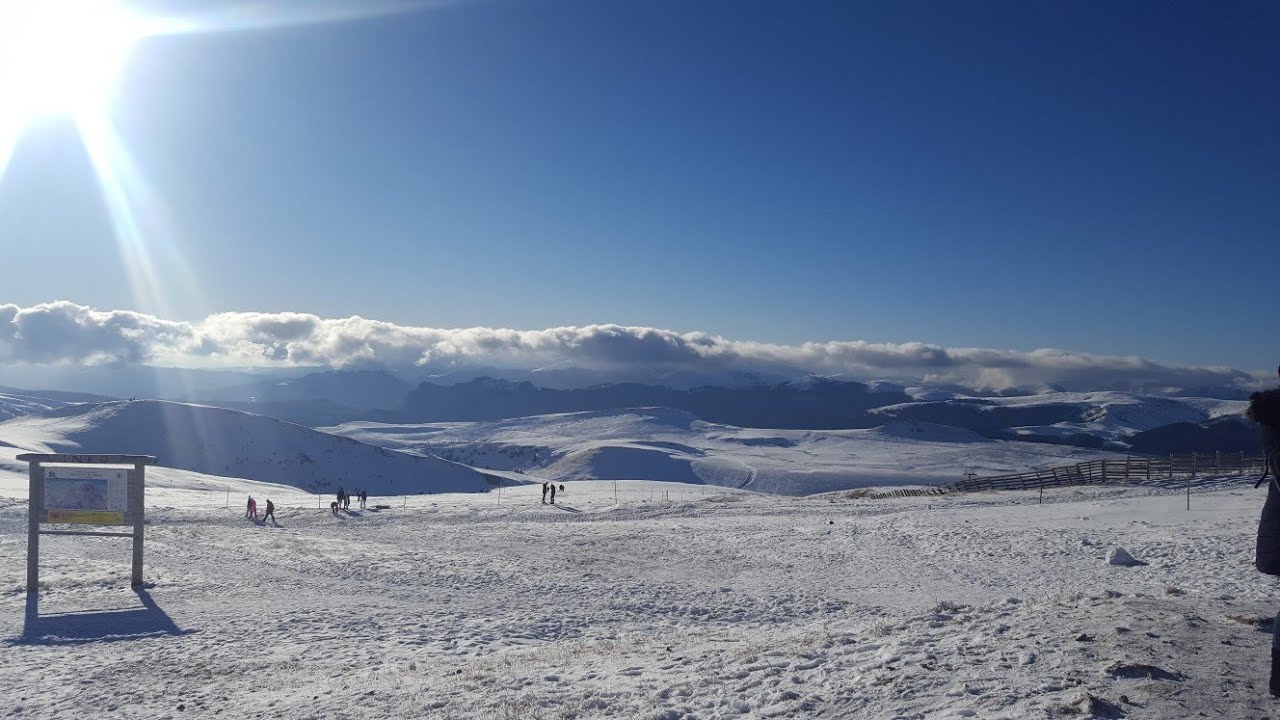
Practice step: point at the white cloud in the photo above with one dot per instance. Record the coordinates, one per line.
(63, 332)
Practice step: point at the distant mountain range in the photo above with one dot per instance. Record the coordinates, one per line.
(1103, 420)
(816, 404)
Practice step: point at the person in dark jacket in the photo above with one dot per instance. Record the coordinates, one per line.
(270, 514)
(544, 492)
(1264, 409)
(553, 494)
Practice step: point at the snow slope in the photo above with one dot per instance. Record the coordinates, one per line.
(1110, 416)
(13, 404)
(721, 605)
(665, 444)
(214, 441)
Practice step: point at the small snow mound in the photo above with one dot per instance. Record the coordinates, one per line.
(1120, 556)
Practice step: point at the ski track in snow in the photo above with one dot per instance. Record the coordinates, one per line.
(720, 604)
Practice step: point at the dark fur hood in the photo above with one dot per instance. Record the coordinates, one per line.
(1264, 408)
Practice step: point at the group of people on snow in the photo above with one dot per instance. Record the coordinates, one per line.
(251, 510)
(344, 500)
(550, 487)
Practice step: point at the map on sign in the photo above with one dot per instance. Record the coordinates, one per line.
(87, 495)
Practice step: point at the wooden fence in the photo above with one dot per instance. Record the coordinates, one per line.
(1096, 472)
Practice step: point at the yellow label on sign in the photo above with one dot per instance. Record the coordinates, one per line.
(86, 517)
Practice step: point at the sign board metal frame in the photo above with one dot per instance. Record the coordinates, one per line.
(132, 514)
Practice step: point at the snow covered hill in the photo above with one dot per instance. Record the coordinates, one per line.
(14, 402)
(1102, 419)
(675, 446)
(222, 442)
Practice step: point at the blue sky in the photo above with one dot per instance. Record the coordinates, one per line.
(1098, 176)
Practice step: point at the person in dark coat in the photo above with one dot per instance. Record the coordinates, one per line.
(553, 493)
(270, 514)
(544, 492)
(1264, 409)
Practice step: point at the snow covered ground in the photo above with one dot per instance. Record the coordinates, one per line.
(14, 404)
(712, 604)
(665, 444)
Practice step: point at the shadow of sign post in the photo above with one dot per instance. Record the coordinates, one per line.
(114, 625)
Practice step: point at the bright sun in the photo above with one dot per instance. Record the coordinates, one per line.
(61, 56)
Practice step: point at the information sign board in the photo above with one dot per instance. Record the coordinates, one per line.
(67, 488)
(86, 495)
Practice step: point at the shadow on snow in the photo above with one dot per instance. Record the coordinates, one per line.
(96, 626)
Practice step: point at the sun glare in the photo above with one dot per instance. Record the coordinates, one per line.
(61, 56)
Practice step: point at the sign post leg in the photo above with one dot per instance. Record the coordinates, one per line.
(137, 491)
(35, 504)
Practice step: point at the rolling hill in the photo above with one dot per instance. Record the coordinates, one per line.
(216, 441)
(673, 445)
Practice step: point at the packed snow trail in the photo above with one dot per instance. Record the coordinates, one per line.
(729, 605)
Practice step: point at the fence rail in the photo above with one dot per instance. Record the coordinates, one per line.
(1097, 472)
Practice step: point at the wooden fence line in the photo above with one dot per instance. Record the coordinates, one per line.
(1129, 470)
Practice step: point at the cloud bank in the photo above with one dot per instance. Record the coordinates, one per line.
(70, 334)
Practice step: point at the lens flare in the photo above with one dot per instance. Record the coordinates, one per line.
(62, 56)
(65, 57)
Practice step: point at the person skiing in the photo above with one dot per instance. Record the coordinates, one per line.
(270, 513)
(544, 492)
(553, 493)
(1264, 409)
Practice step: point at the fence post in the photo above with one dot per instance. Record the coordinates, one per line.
(1217, 463)
(1170, 466)
(1240, 467)
(1126, 468)
(1194, 458)
(1148, 469)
